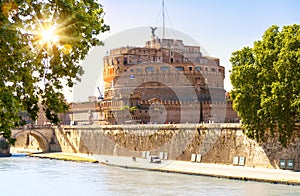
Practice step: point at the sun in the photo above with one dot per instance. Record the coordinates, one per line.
(49, 36)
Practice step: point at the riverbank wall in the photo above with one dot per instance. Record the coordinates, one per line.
(213, 143)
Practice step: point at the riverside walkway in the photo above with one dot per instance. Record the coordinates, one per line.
(204, 169)
(190, 168)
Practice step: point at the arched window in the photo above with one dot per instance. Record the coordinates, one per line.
(111, 71)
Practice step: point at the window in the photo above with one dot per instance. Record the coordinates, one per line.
(164, 68)
(190, 68)
(213, 69)
(138, 69)
(111, 71)
(179, 68)
(149, 69)
(198, 68)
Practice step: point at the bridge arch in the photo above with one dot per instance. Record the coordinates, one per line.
(42, 140)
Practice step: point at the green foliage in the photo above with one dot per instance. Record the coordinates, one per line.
(266, 83)
(132, 109)
(3, 144)
(125, 107)
(33, 67)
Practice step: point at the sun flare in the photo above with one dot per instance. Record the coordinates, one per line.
(49, 35)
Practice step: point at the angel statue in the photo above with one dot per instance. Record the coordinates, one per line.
(153, 30)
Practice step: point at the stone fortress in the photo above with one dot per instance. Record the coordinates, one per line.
(163, 82)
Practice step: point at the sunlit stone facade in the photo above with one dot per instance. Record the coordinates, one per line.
(163, 82)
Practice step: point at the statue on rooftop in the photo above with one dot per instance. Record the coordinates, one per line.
(153, 30)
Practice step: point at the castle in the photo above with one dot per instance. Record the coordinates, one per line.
(163, 82)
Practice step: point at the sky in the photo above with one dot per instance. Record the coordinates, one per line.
(220, 26)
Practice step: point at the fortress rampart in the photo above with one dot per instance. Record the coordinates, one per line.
(217, 143)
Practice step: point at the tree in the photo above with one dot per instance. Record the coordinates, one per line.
(42, 44)
(266, 83)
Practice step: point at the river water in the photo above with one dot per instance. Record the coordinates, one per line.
(33, 176)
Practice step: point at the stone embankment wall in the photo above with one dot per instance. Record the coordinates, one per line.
(217, 143)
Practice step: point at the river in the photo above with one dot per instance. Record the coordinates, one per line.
(33, 176)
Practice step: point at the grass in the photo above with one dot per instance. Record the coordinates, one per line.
(65, 157)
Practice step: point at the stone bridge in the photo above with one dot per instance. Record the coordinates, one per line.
(43, 135)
